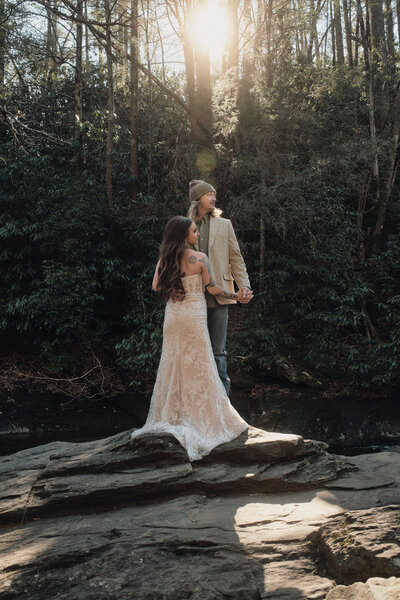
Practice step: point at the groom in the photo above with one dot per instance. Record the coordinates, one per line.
(217, 239)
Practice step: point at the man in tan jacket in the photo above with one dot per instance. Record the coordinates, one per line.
(218, 240)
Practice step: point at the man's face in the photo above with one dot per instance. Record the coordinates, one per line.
(207, 203)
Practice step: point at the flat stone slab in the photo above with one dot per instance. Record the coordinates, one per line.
(134, 519)
(118, 470)
(371, 471)
(194, 542)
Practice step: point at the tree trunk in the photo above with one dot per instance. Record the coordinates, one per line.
(357, 43)
(160, 38)
(296, 29)
(379, 70)
(125, 69)
(78, 87)
(86, 36)
(372, 128)
(390, 174)
(232, 59)
(188, 53)
(51, 40)
(370, 93)
(150, 102)
(315, 29)
(134, 81)
(338, 33)
(247, 65)
(389, 36)
(2, 48)
(3, 25)
(99, 45)
(328, 27)
(270, 75)
(203, 86)
(48, 39)
(244, 96)
(262, 248)
(313, 41)
(333, 34)
(398, 18)
(257, 41)
(303, 37)
(110, 104)
(347, 25)
(364, 34)
(120, 37)
(364, 29)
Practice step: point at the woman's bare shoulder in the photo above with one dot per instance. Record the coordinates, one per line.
(193, 256)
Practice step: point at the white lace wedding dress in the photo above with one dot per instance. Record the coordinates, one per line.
(189, 400)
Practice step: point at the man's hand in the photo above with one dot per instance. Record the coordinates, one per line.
(177, 295)
(244, 295)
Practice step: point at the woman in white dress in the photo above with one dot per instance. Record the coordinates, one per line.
(189, 400)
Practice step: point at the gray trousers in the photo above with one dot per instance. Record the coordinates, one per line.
(217, 321)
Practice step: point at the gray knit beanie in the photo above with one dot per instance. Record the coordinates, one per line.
(197, 189)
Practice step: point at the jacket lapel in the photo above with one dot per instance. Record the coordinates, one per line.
(214, 226)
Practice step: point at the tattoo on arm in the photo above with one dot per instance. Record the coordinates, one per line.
(206, 262)
(221, 292)
(225, 294)
(192, 259)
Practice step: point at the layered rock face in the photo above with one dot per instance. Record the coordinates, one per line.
(266, 516)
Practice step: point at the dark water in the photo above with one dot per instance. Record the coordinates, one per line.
(356, 450)
(350, 426)
(29, 420)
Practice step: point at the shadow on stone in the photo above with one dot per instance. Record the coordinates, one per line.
(121, 518)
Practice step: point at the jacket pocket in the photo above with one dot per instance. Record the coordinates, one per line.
(227, 276)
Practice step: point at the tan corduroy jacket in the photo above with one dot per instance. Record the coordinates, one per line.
(226, 260)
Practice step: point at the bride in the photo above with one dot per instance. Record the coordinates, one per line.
(189, 400)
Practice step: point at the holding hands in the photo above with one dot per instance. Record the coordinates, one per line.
(244, 295)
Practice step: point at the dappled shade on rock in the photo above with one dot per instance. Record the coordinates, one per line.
(135, 520)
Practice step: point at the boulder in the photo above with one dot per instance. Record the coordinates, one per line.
(135, 519)
(153, 468)
(359, 544)
(294, 371)
(375, 588)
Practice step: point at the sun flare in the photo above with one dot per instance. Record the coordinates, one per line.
(209, 29)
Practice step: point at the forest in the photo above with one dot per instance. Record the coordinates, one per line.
(290, 108)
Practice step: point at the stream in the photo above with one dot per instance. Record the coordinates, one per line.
(349, 426)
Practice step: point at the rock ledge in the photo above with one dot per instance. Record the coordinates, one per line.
(267, 516)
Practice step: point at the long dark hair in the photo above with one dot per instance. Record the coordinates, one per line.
(172, 248)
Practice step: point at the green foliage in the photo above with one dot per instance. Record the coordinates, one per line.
(140, 351)
(305, 155)
(76, 274)
(74, 271)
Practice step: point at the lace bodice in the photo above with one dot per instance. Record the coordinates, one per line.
(193, 284)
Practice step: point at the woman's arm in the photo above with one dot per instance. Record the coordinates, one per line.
(209, 282)
(154, 285)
